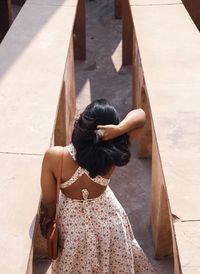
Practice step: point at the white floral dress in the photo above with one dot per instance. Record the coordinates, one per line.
(96, 234)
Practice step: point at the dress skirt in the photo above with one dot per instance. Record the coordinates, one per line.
(95, 237)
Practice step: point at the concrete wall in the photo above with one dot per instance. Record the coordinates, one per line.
(166, 69)
(37, 105)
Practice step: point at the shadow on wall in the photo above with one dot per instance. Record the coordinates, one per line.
(8, 11)
(28, 35)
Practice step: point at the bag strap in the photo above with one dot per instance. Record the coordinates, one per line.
(59, 172)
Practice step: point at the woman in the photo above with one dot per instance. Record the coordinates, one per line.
(95, 233)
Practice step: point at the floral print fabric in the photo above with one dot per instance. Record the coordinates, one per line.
(96, 238)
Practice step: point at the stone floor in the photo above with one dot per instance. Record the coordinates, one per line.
(102, 76)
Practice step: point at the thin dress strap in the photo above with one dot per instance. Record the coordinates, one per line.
(72, 151)
(80, 171)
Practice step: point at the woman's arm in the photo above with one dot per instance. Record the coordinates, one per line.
(48, 179)
(48, 182)
(48, 187)
(132, 124)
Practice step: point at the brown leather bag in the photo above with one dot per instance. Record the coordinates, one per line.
(52, 234)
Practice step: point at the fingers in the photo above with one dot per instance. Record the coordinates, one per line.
(109, 131)
(105, 129)
(105, 135)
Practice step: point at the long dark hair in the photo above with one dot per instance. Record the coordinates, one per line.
(92, 153)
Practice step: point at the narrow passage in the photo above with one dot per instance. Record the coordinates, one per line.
(102, 76)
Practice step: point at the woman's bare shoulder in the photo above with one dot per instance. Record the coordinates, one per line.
(51, 156)
(52, 153)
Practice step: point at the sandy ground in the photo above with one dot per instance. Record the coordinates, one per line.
(102, 76)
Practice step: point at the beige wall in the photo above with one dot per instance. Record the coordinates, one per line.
(37, 108)
(166, 69)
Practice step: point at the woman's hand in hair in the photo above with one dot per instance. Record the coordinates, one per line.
(110, 131)
(132, 124)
